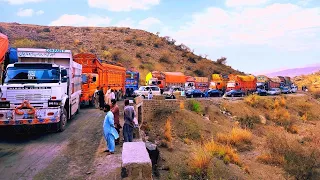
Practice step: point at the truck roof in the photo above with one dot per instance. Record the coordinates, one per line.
(43, 53)
(32, 63)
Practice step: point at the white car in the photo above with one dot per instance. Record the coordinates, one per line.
(144, 91)
(274, 91)
(170, 93)
(294, 89)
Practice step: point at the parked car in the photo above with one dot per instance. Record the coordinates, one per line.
(235, 93)
(214, 93)
(261, 92)
(170, 93)
(144, 90)
(194, 93)
(274, 91)
(294, 89)
(285, 90)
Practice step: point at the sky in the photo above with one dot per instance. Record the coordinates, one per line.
(256, 36)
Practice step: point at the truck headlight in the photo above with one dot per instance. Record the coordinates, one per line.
(54, 103)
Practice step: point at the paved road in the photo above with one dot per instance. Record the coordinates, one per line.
(42, 155)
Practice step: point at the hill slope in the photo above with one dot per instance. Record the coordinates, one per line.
(132, 48)
(296, 71)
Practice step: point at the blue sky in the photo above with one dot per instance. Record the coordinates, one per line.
(255, 35)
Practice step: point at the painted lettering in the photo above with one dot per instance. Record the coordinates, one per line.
(55, 50)
(35, 54)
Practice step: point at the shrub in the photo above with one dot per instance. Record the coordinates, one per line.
(282, 101)
(248, 121)
(106, 54)
(139, 42)
(167, 131)
(158, 42)
(165, 57)
(46, 30)
(237, 137)
(282, 118)
(191, 57)
(199, 72)
(222, 60)
(21, 43)
(199, 163)
(268, 158)
(128, 39)
(252, 100)
(195, 106)
(116, 54)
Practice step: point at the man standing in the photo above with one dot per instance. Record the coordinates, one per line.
(109, 131)
(128, 113)
(112, 95)
(116, 114)
(96, 97)
(101, 99)
(107, 96)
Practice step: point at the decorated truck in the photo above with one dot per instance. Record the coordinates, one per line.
(190, 83)
(264, 82)
(202, 83)
(218, 82)
(245, 83)
(43, 87)
(132, 82)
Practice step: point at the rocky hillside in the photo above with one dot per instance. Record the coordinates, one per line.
(131, 47)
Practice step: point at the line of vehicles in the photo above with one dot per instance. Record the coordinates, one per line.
(169, 83)
(48, 86)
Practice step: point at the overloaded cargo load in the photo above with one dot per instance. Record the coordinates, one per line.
(264, 82)
(246, 83)
(218, 82)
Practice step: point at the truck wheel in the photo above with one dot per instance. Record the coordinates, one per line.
(143, 97)
(61, 125)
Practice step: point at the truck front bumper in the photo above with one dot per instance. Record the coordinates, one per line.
(40, 116)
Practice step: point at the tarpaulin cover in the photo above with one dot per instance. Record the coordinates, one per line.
(175, 77)
(262, 78)
(246, 78)
(216, 77)
(202, 79)
(4, 44)
(13, 55)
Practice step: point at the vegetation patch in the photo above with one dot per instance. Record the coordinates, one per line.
(240, 138)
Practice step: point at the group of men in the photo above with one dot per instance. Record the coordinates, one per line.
(111, 123)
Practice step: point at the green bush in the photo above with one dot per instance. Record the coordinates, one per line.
(195, 106)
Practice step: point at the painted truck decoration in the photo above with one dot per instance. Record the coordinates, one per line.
(43, 87)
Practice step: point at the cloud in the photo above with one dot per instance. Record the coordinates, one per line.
(19, 2)
(236, 3)
(149, 22)
(25, 12)
(128, 22)
(284, 26)
(39, 12)
(78, 20)
(123, 5)
(28, 12)
(304, 2)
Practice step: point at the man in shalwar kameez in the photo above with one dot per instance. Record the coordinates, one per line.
(109, 131)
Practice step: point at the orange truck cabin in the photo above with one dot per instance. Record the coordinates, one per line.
(166, 79)
(246, 83)
(218, 82)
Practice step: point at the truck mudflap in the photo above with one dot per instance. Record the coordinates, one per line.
(25, 114)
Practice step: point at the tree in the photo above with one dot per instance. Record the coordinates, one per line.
(222, 60)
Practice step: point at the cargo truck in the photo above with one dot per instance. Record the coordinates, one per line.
(4, 44)
(201, 83)
(264, 82)
(190, 83)
(43, 87)
(132, 82)
(165, 80)
(245, 83)
(218, 82)
(96, 75)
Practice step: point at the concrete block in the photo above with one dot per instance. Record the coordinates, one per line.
(136, 161)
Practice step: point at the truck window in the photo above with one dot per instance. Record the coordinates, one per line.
(32, 74)
(159, 82)
(154, 88)
(94, 79)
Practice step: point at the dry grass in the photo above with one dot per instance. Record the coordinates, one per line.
(283, 101)
(268, 158)
(167, 131)
(236, 137)
(282, 117)
(199, 162)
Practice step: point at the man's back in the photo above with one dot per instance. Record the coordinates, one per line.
(128, 114)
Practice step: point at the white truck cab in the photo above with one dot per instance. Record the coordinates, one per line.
(43, 87)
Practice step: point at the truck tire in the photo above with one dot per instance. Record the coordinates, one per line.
(61, 125)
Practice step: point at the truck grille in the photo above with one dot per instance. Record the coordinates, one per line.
(31, 95)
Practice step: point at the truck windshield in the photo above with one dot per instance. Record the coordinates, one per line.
(32, 75)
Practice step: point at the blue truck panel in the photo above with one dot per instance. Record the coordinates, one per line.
(132, 82)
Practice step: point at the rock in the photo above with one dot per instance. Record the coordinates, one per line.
(88, 172)
(215, 122)
(263, 120)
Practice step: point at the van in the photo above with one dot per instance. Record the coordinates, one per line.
(144, 90)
